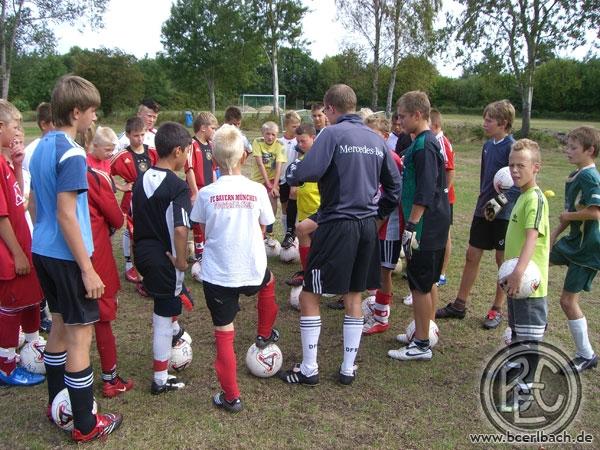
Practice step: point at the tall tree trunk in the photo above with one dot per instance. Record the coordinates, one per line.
(390, 93)
(3, 68)
(527, 94)
(377, 8)
(211, 94)
(6, 83)
(275, 81)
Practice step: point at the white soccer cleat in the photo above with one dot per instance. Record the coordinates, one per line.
(411, 352)
(196, 271)
(403, 338)
(373, 326)
(408, 300)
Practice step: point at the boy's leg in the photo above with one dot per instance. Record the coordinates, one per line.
(352, 330)
(303, 231)
(310, 330)
(584, 356)
(162, 337)
(379, 321)
(55, 357)
(493, 317)
(198, 242)
(267, 308)
(443, 280)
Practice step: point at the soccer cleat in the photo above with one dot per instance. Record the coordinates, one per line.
(408, 301)
(183, 335)
(492, 319)
(295, 376)
(233, 406)
(411, 352)
(403, 338)
(450, 312)
(288, 240)
(347, 379)
(373, 326)
(442, 281)
(262, 342)
(139, 287)
(118, 386)
(296, 279)
(21, 377)
(172, 384)
(270, 241)
(338, 303)
(132, 275)
(105, 424)
(580, 363)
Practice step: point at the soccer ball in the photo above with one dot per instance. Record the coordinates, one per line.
(290, 255)
(530, 281)
(502, 180)
(32, 357)
(21, 337)
(197, 271)
(273, 249)
(368, 306)
(264, 363)
(181, 355)
(507, 336)
(295, 297)
(61, 410)
(434, 332)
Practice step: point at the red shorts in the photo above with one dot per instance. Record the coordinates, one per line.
(22, 290)
(107, 307)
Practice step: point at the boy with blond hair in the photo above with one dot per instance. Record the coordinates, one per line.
(580, 249)
(62, 247)
(491, 215)
(427, 219)
(269, 156)
(287, 194)
(20, 291)
(234, 263)
(200, 167)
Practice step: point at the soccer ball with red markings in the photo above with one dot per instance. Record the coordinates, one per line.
(264, 363)
(32, 357)
(61, 410)
(181, 355)
(530, 281)
(502, 180)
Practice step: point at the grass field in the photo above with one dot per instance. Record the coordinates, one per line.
(391, 404)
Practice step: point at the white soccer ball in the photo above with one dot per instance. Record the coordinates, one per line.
(295, 297)
(368, 306)
(273, 249)
(61, 410)
(32, 357)
(290, 255)
(181, 355)
(502, 180)
(507, 336)
(21, 338)
(434, 332)
(264, 363)
(529, 282)
(197, 271)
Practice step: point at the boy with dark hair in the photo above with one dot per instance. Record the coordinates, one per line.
(234, 263)
(62, 246)
(427, 219)
(349, 161)
(580, 249)
(128, 164)
(161, 204)
(147, 111)
(491, 215)
(233, 116)
(43, 114)
(318, 116)
(20, 291)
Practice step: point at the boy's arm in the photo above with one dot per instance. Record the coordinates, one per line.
(181, 225)
(123, 187)
(66, 204)
(591, 212)
(391, 186)
(7, 234)
(449, 178)
(263, 171)
(190, 178)
(276, 176)
(180, 240)
(513, 281)
(315, 163)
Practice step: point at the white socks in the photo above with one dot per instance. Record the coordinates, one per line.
(127, 250)
(310, 329)
(579, 332)
(161, 344)
(352, 333)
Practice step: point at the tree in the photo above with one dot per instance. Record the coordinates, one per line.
(523, 30)
(25, 24)
(279, 22)
(349, 68)
(209, 40)
(34, 77)
(299, 72)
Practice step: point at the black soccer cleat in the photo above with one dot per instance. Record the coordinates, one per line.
(580, 363)
(233, 406)
(172, 384)
(262, 342)
(288, 240)
(450, 312)
(295, 376)
(347, 379)
(296, 279)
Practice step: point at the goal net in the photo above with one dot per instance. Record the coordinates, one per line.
(261, 103)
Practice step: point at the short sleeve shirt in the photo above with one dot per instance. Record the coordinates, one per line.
(270, 155)
(582, 245)
(448, 154)
(289, 146)
(200, 160)
(530, 212)
(233, 258)
(58, 165)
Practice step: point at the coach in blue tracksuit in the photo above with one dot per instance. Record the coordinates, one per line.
(349, 161)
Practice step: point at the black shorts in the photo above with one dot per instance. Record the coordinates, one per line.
(424, 268)
(389, 252)
(451, 214)
(344, 257)
(64, 290)
(284, 192)
(487, 235)
(223, 302)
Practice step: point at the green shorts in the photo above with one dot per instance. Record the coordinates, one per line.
(578, 278)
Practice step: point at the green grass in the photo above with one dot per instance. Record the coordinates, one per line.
(391, 405)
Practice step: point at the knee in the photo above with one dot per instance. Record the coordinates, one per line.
(472, 256)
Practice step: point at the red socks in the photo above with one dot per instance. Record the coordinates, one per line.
(30, 319)
(267, 309)
(383, 298)
(226, 365)
(9, 328)
(303, 256)
(107, 346)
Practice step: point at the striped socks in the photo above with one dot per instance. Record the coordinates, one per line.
(352, 333)
(310, 329)
(81, 392)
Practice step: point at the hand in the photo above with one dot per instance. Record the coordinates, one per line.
(511, 283)
(409, 239)
(563, 218)
(494, 206)
(17, 154)
(94, 287)
(275, 191)
(22, 266)
(179, 265)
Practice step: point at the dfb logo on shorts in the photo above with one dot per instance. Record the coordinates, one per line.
(530, 386)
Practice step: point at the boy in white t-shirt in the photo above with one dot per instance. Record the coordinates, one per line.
(287, 193)
(234, 263)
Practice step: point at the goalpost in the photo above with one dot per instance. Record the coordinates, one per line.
(261, 103)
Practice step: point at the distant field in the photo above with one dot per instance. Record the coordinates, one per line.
(539, 124)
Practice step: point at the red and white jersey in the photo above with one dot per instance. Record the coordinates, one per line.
(448, 154)
(201, 161)
(105, 214)
(289, 146)
(148, 140)
(393, 227)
